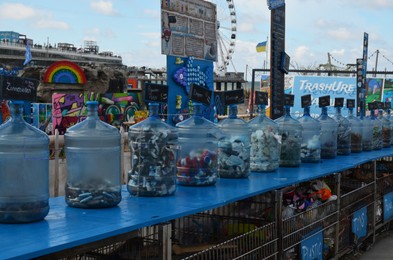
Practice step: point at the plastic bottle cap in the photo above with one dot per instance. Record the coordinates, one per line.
(92, 103)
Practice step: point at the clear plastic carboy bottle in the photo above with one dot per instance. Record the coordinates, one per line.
(198, 140)
(265, 142)
(24, 169)
(356, 128)
(311, 142)
(386, 128)
(154, 153)
(92, 149)
(234, 146)
(377, 126)
(291, 136)
(343, 129)
(328, 130)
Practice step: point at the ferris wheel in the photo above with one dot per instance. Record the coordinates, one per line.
(226, 34)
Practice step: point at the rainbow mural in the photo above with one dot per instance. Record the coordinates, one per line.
(65, 72)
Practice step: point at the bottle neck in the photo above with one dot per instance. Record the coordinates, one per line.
(306, 111)
(92, 111)
(153, 110)
(287, 110)
(324, 111)
(16, 111)
(232, 112)
(350, 111)
(372, 113)
(262, 110)
(338, 111)
(197, 109)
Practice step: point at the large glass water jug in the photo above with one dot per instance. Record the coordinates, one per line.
(154, 148)
(388, 107)
(386, 130)
(265, 142)
(291, 138)
(24, 169)
(311, 142)
(356, 129)
(92, 149)
(328, 135)
(343, 129)
(367, 138)
(198, 140)
(234, 146)
(377, 127)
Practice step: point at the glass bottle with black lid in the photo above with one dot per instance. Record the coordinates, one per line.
(265, 138)
(356, 128)
(343, 129)
(328, 130)
(154, 146)
(377, 126)
(386, 130)
(311, 142)
(291, 135)
(234, 146)
(198, 140)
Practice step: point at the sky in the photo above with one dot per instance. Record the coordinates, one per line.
(131, 29)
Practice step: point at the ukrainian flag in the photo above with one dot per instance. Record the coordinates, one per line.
(261, 46)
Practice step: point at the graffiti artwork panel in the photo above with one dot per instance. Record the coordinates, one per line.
(67, 110)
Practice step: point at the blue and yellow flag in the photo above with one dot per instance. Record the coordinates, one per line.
(261, 46)
(28, 56)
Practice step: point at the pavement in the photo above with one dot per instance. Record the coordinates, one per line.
(382, 249)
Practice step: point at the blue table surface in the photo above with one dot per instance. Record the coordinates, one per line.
(67, 227)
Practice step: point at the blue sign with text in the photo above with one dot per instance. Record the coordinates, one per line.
(343, 87)
(388, 206)
(312, 247)
(359, 223)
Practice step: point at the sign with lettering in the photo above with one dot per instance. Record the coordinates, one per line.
(233, 97)
(18, 88)
(372, 106)
(200, 94)
(156, 93)
(360, 87)
(350, 103)
(289, 100)
(311, 247)
(261, 98)
(273, 4)
(318, 86)
(189, 29)
(359, 223)
(339, 102)
(284, 64)
(388, 206)
(306, 101)
(277, 43)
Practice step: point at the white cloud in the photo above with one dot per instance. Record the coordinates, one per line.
(375, 4)
(342, 33)
(301, 53)
(152, 13)
(338, 52)
(103, 7)
(16, 11)
(51, 24)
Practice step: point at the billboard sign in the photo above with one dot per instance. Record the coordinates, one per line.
(189, 29)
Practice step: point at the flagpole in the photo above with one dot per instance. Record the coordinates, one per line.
(267, 41)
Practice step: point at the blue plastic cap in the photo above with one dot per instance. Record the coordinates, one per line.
(92, 103)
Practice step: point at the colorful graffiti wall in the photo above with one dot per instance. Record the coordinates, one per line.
(113, 108)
